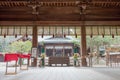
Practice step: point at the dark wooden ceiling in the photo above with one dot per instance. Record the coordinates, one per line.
(59, 10)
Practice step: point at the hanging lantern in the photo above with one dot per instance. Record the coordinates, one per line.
(75, 35)
(91, 36)
(64, 35)
(4, 35)
(26, 35)
(15, 35)
(103, 35)
(112, 35)
(53, 35)
(42, 35)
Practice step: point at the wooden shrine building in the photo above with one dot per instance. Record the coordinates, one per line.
(66, 17)
(57, 46)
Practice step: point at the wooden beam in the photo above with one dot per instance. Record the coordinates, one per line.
(17, 16)
(60, 10)
(60, 17)
(51, 23)
(61, 3)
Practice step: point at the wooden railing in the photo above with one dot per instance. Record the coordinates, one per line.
(113, 60)
(59, 60)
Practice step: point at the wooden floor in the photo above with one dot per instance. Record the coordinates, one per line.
(64, 73)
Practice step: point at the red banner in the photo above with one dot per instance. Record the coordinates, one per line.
(11, 57)
(24, 56)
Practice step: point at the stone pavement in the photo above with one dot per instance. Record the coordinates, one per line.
(63, 73)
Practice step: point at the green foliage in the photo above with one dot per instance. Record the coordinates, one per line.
(76, 41)
(20, 46)
(17, 46)
(107, 40)
(4, 42)
(97, 41)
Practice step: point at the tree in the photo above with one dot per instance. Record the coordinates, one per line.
(20, 46)
(97, 41)
(76, 41)
(4, 42)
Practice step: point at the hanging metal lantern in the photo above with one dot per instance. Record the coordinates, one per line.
(15, 35)
(112, 35)
(75, 35)
(91, 36)
(103, 35)
(26, 35)
(53, 35)
(4, 35)
(42, 35)
(64, 35)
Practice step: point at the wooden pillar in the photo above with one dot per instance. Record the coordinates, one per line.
(34, 45)
(83, 39)
(83, 45)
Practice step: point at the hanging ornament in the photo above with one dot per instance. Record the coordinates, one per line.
(42, 35)
(26, 35)
(15, 35)
(75, 35)
(103, 35)
(4, 35)
(53, 35)
(91, 36)
(64, 35)
(112, 35)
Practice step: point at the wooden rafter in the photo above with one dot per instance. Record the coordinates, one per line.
(60, 10)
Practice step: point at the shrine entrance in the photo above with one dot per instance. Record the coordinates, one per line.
(58, 52)
(59, 17)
